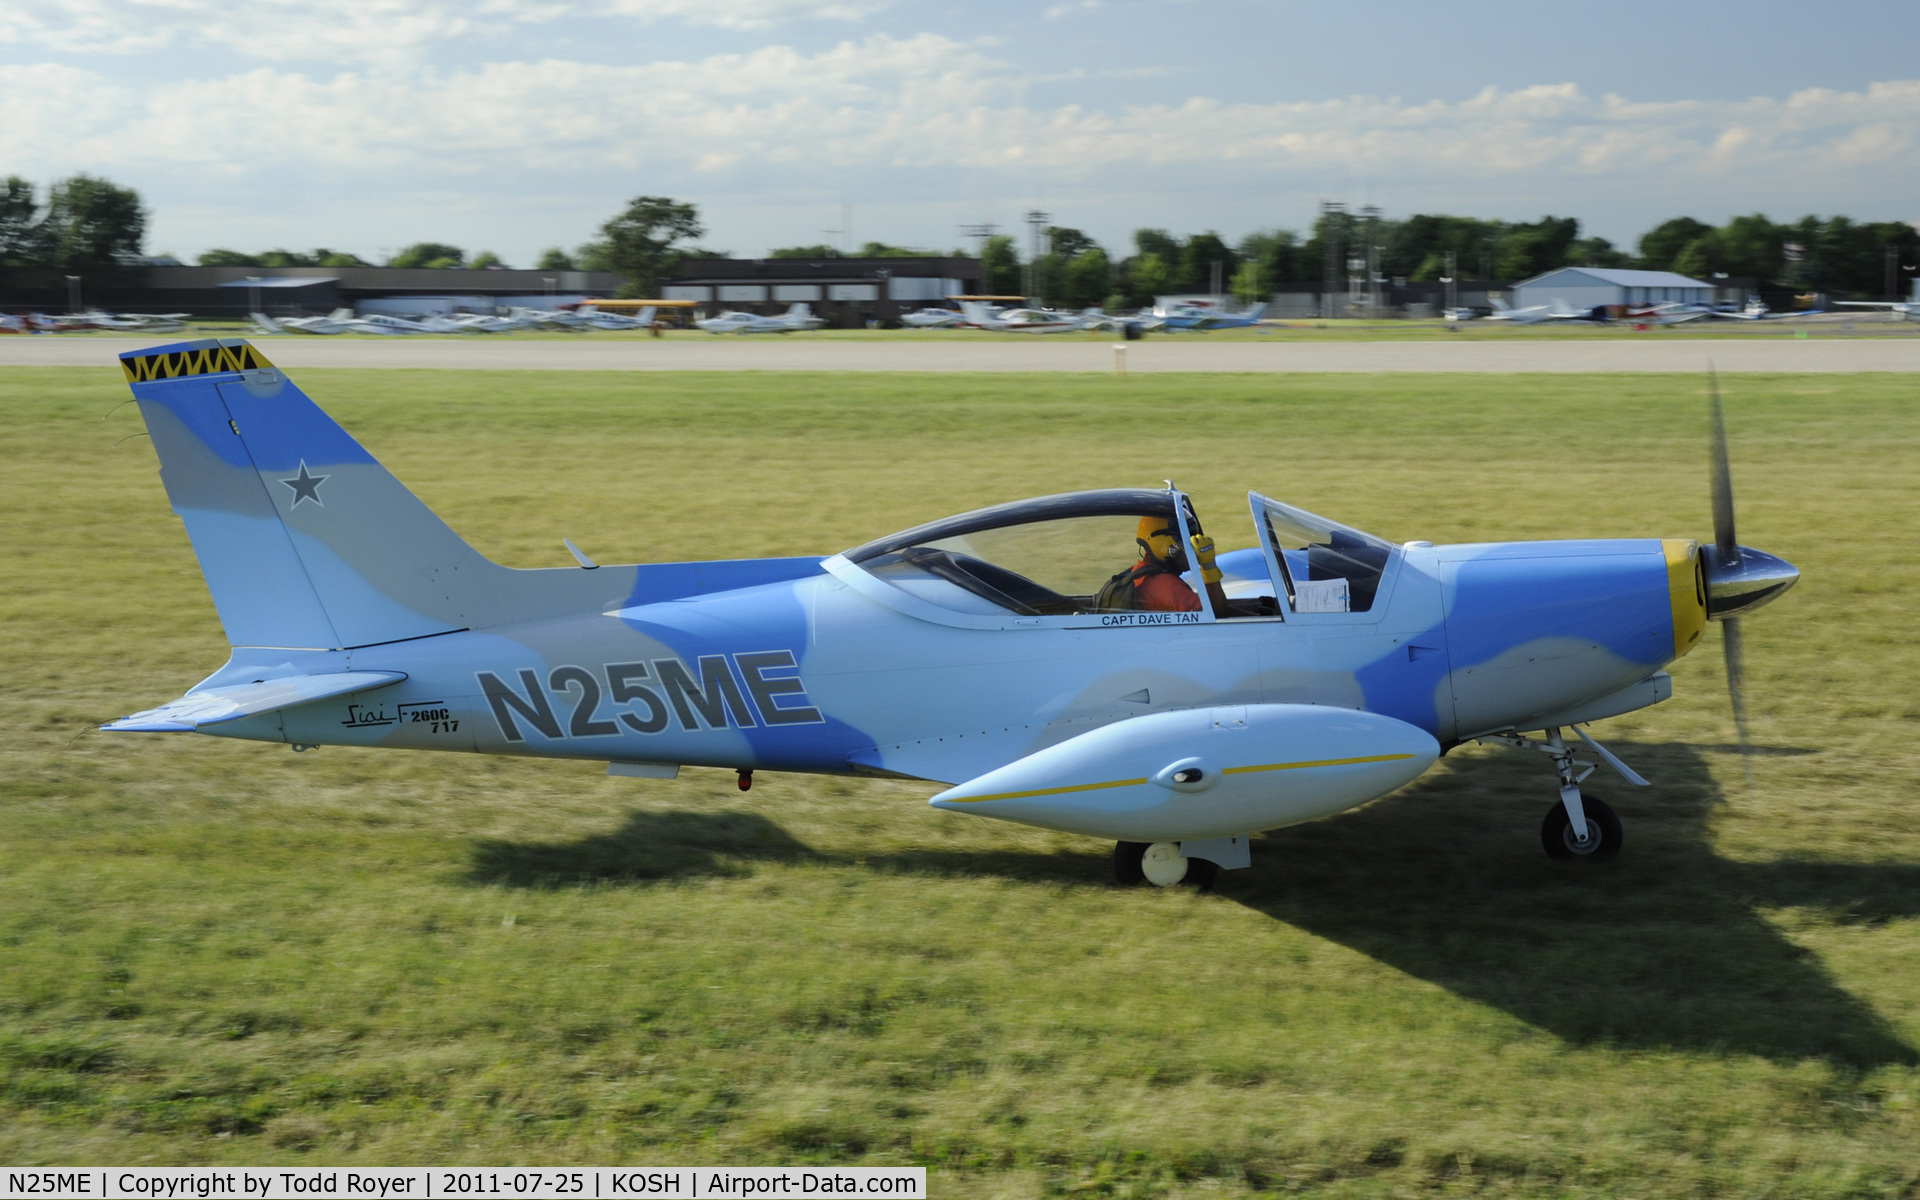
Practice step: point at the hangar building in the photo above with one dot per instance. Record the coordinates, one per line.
(847, 292)
(1584, 287)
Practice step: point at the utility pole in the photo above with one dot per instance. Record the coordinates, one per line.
(1037, 231)
(1333, 223)
(982, 234)
(1370, 215)
(1453, 280)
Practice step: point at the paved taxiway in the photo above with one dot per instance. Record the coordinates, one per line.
(1065, 352)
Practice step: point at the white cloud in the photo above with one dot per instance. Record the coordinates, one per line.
(925, 101)
(388, 32)
(908, 120)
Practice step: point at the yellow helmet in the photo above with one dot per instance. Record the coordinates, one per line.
(1159, 538)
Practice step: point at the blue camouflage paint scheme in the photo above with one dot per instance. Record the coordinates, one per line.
(311, 546)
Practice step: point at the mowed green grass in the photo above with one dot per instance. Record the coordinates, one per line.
(218, 952)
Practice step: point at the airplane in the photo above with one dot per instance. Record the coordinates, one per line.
(340, 320)
(1195, 319)
(1906, 309)
(932, 318)
(980, 314)
(643, 319)
(995, 652)
(797, 318)
(1755, 309)
(131, 322)
(1531, 315)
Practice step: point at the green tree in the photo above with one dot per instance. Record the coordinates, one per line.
(818, 250)
(1596, 252)
(1198, 257)
(1150, 277)
(882, 250)
(1157, 242)
(1250, 283)
(228, 258)
(1086, 279)
(338, 258)
(1528, 249)
(1068, 244)
(20, 236)
(91, 227)
(1752, 246)
(1660, 246)
(640, 243)
(1000, 267)
(1696, 259)
(428, 254)
(485, 259)
(555, 259)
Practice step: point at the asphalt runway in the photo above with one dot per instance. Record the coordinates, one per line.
(1652, 353)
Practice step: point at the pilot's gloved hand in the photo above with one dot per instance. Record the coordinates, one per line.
(1203, 554)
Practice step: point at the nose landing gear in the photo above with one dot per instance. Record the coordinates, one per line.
(1579, 828)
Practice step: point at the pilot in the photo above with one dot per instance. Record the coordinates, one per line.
(1154, 584)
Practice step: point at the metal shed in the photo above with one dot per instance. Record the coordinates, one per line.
(1584, 287)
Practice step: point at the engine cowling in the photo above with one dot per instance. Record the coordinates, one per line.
(1205, 772)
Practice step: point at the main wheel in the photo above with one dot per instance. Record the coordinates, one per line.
(1603, 832)
(1131, 866)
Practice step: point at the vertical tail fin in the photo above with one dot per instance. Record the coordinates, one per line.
(304, 539)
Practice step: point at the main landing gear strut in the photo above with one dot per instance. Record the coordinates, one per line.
(1580, 827)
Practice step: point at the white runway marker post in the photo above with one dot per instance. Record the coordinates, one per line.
(1119, 358)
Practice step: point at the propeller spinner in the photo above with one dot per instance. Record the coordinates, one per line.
(1738, 578)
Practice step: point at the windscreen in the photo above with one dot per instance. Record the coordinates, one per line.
(1324, 565)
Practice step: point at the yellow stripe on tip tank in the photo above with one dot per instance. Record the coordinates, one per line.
(1094, 787)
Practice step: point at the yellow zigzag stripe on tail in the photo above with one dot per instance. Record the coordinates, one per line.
(212, 360)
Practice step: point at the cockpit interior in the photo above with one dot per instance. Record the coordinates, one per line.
(1059, 556)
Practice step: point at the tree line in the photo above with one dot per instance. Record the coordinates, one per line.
(91, 226)
(1824, 254)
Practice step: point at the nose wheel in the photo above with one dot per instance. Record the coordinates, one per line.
(1602, 841)
(1580, 828)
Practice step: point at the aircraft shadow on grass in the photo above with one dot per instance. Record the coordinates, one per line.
(1665, 948)
(649, 847)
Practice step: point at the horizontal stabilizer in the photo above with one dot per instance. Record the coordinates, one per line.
(216, 705)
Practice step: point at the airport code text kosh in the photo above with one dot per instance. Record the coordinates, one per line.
(423, 1183)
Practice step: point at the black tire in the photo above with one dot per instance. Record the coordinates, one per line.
(1603, 828)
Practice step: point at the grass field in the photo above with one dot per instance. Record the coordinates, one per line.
(217, 952)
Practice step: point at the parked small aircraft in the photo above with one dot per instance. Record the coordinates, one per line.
(340, 320)
(1082, 662)
(932, 318)
(797, 318)
(1192, 318)
(1908, 309)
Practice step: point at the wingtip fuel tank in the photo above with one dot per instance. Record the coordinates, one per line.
(1203, 772)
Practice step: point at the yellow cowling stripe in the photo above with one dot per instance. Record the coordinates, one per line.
(1686, 592)
(1091, 787)
(209, 360)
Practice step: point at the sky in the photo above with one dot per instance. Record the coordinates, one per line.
(515, 125)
